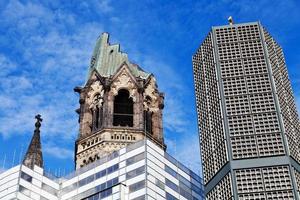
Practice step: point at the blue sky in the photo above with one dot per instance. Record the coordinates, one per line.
(45, 50)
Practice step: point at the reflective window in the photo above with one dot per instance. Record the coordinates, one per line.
(100, 195)
(49, 189)
(140, 198)
(112, 155)
(184, 181)
(137, 186)
(170, 197)
(26, 177)
(185, 192)
(108, 184)
(197, 189)
(112, 168)
(69, 188)
(24, 190)
(112, 182)
(105, 193)
(171, 185)
(160, 184)
(86, 180)
(135, 172)
(171, 171)
(135, 159)
(101, 174)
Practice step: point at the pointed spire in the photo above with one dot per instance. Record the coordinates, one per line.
(34, 154)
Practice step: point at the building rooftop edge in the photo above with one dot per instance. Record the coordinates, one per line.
(94, 164)
(235, 25)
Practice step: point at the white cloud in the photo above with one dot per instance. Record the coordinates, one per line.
(58, 152)
(54, 60)
(104, 6)
(55, 52)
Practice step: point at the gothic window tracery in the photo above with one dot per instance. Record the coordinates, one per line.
(123, 109)
(97, 112)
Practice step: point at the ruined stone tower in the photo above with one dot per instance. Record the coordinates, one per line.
(120, 104)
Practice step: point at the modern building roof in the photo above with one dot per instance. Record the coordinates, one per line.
(139, 171)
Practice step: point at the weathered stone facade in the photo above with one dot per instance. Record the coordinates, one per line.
(119, 104)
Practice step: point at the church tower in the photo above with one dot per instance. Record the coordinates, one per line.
(119, 104)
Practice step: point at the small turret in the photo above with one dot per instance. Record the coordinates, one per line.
(34, 154)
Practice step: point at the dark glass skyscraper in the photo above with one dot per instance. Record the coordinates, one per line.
(248, 121)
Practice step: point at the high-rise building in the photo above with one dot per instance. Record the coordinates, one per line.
(120, 151)
(248, 121)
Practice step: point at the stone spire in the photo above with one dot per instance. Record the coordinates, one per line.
(34, 154)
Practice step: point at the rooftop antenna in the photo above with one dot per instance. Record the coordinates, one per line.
(21, 154)
(230, 20)
(3, 166)
(14, 157)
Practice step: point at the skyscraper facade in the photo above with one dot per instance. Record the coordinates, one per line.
(248, 121)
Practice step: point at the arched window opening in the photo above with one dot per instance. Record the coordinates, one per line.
(148, 121)
(123, 109)
(97, 113)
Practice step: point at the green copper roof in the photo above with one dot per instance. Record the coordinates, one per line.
(107, 59)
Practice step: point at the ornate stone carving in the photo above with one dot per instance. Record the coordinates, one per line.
(151, 96)
(124, 81)
(95, 95)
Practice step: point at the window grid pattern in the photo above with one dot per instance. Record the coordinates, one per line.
(297, 176)
(222, 191)
(264, 183)
(285, 96)
(213, 147)
(253, 118)
(250, 106)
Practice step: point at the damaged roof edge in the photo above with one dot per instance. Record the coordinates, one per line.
(107, 59)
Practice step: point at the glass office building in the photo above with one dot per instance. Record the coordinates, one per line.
(139, 171)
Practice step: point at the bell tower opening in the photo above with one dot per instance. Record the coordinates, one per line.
(123, 109)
